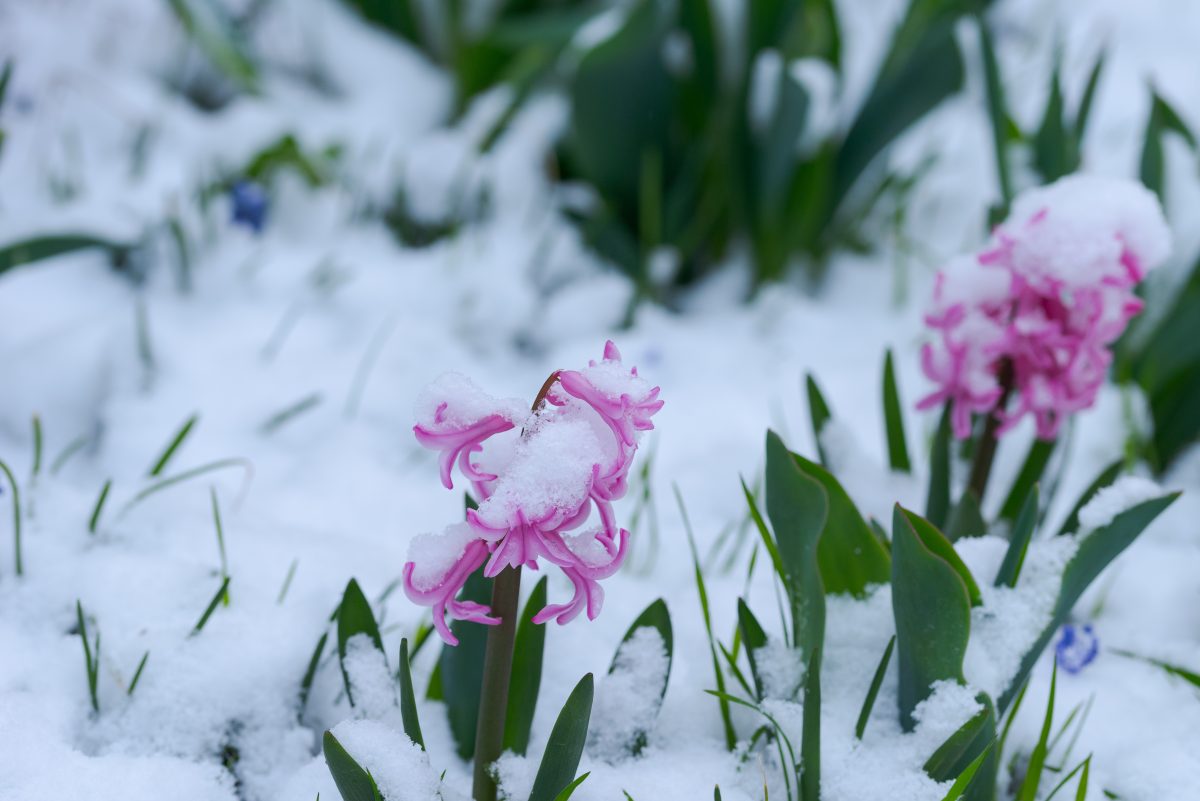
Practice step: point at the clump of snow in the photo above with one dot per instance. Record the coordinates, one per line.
(780, 669)
(629, 698)
(371, 683)
(400, 768)
(551, 469)
(454, 399)
(1007, 624)
(1120, 496)
(433, 555)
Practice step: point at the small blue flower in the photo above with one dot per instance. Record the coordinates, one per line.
(249, 204)
(1077, 647)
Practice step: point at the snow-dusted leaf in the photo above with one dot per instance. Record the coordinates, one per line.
(970, 750)
(352, 780)
(408, 699)
(354, 617)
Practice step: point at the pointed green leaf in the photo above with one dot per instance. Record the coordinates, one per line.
(964, 749)
(1018, 543)
(893, 418)
(526, 673)
(850, 555)
(569, 790)
(45, 247)
(354, 616)
(1031, 473)
(1037, 759)
(754, 638)
(997, 112)
(932, 609)
(935, 541)
(1050, 146)
(810, 745)
(818, 413)
(353, 782)
(937, 505)
(1096, 551)
(958, 789)
(565, 746)
(1107, 476)
(408, 699)
(876, 682)
(966, 520)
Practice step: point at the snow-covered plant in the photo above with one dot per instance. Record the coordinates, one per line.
(572, 456)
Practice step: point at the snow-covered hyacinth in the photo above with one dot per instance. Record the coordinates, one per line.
(1035, 312)
(536, 494)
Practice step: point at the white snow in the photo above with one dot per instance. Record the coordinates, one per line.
(434, 554)
(371, 684)
(627, 700)
(1124, 494)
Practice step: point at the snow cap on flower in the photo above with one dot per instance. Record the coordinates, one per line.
(536, 496)
(1043, 302)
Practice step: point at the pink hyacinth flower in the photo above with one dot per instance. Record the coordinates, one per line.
(537, 491)
(1044, 300)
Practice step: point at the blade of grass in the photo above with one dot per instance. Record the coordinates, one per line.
(287, 581)
(212, 607)
(187, 475)
(1082, 781)
(94, 520)
(818, 412)
(893, 418)
(72, 448)
(290, 412)
(37, 447)
(873, 692)
(137, 674)
(173, 446)
(90, 661)
(408, 699)
(960, 784)
(16, 507)
(1037, 760)
(216, 511)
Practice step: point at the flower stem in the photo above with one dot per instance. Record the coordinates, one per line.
(985, 452)
(497, 671)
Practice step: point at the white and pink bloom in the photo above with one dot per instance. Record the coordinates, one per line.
(537, 488)
(1026, 324)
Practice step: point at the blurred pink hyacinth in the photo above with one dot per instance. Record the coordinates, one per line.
(536, 488)
(1035, 312)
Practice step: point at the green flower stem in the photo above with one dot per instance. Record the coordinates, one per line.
(497, 671)
(985, 451)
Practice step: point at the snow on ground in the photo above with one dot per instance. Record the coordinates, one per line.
(340, 490)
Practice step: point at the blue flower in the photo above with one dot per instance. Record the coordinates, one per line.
(1077, 647)
(249, 204)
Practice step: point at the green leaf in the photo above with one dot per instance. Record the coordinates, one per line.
(932, 608)
(565, 746)
(997, 112)
(964, 748)
(818, 412)
(798, 506)
(966, 520)
(935, 541)
(526, 679)
(354, 616)
(893, 417)
(1190, 676)
(569, 790)
(460, 668)
(408, 699)
(220, 43)
(1163, 119)
(657, 617)
(212, 606)
(98, 508)
(310, 673)
(873, 692)
(1037, 759)
(958, 789)
(765, 533)
(810, 745)
(754, 638)
(44, 247)
(1096, 550)
(851, 558)
(1051, 143)
(353, 782)
(1018, 542)
(1031, 473)
(937, 504)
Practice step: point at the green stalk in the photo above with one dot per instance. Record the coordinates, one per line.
(985, 450)
(497, 672)
(16, 506)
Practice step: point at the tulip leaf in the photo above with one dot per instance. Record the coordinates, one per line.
(565, 746)
(352, 780)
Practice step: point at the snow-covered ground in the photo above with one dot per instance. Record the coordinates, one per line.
(328, 311)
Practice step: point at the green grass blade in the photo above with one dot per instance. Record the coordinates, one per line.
(893, 418)
(754, 637)
(876, 682)
(408, 699)
(311, 672)
(1191, 677)
(212, 606)
(289, 413)
(176, 442)
(73, 447)
(818, 413)
(997, 112)
(1037, 760)
(1018, 544)
(287, 581)
(16, 508)
(937, 504)
(960, 784)
(137, 674)
(37, 447)
(94, 520)
(186, 475)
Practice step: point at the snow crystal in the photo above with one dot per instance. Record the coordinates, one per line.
(1124, 494)
(629, 697)
(946, 709)
(399, 766)
(780, 669)
(434, 554)
(551, 468)
(456, 399)
(371, 683)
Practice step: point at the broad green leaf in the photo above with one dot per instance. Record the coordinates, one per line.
(851, 557)
(937, 504)
(864, 714)
(1031, 473)
(354, 616)
(798, 507)
(932, 609)
(754, 638)
(526, 673)
(970, 746)
(408, 699)
(935, 541)
(818, 412)
(565, 746)
(1096, 550)
(893, 418)
(1018, 542)
(352, 780)
(460, 668)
